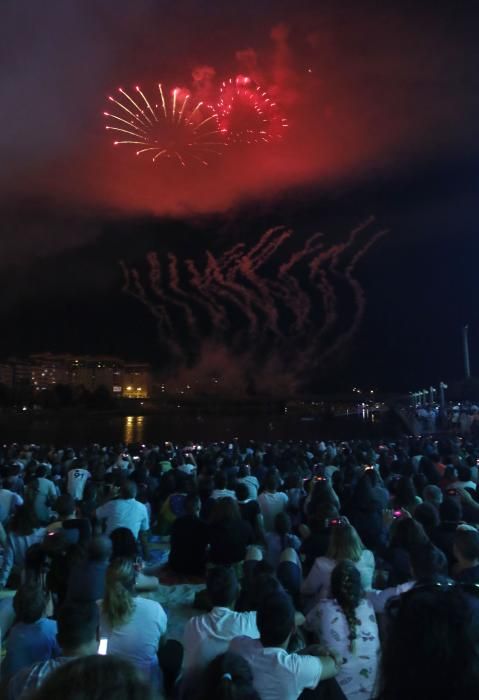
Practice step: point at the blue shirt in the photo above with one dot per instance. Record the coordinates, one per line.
(28, 643)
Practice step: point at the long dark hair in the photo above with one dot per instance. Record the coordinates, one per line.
(432, 649)
(228, 677)
(346, 588)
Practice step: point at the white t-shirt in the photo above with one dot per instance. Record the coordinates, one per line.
(76, 481)
(223, 493)
(253, 485)
(124, 513)
(278, 675)
(9, 500)
(138, 639)
(271, 504)
(187, 468)
(208, 635)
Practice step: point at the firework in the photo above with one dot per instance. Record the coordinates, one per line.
(166, 126)
(281, 291)
(247, 114)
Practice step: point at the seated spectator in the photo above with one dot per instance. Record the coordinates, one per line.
(227, 676)
(344, 544)
(427, 515)
(277, 674)
(220, 490)
(279, 540)
(41, 494)
(406, 533)
(77, 478)
(316, 534)
(208, 635)
(366, 510)
(95, 678)
(33, 636)
(86, 582)
(9, 501)
(124, 546)
(75, 530)
(271, 502)
(432, 650)
(450, 512)
(126, 511)
(189, 540)
(252, 483)
(347, 624)
(466, 552)
(77, 636)
(432, 494)
(133, 626)
(24, 532)
(229, 535)
(250, 510)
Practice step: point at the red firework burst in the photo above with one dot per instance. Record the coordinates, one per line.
(247, 114)
(178, 127)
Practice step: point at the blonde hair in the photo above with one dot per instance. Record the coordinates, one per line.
(118, 603)
(345, 543)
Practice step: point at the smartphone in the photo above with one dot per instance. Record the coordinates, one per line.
(103, 646)
(332, 522)
(397, 513)
(451, 492)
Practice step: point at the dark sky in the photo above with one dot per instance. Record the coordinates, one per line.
(383, 108)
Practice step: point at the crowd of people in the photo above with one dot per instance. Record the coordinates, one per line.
(329, 570)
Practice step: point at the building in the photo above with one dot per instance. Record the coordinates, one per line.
(43, 371)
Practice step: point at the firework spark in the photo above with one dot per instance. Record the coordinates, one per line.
(169, 126)
(277, 293)
(247, 114)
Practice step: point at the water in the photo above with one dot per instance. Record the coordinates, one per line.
(109, 429)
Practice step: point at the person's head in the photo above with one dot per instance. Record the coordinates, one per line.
(78, 628)
(428, 562)
(242, 491)
(128, 490)
(225, 509)
(466, 546)
(100, 549)
(282, 524)
(30, 603)
(450, 510)
(431, 650)
(228, 677)
(344, 543)
(65, 506)
(322, 514)
(275, 620)
(426, 514)
(222, 586)
(95, 677)
(346, 588)
(432, 494)
(118, 603)
(123, 543)
(271, 482)
(405, 494)
(408, 533)
(244, 471)
(41, 471)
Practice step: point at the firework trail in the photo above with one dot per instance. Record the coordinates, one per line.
(263, 297)
(169, 126)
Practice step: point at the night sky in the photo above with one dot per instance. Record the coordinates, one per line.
(383, 113)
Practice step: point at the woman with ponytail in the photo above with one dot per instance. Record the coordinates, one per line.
(227, 677)
(133, 626)
(346, 623)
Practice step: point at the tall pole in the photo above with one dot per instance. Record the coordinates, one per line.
(465, 340)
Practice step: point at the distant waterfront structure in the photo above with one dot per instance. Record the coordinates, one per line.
(43, 371)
